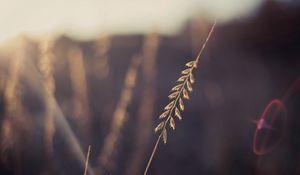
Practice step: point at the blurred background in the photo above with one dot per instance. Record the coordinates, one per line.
(79, 73)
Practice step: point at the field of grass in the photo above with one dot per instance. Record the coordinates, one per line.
(108, 106)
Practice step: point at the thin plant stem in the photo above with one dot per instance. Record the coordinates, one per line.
(152, 154)
(87, 160)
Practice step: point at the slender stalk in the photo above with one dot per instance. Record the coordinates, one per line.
(87, 160)
(206, 41)
(175, 102)
(152, 154)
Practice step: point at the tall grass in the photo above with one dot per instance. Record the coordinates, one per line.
(179, 93)
(106, 157)
(100, 66)
(78, 83)
(46, 68)
(13, 128)
(147, 100)
(13, 107)
(80, 100)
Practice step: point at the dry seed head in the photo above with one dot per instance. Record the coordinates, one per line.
(178, 92)
(185, 79)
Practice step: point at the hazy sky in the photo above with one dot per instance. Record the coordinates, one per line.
(88, 18)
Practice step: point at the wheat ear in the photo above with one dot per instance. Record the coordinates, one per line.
(178, 93)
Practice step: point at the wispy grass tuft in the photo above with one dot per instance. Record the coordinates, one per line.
(179, 93)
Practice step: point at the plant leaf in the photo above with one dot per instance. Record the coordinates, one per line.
(164, 114)
(181, 105)
(186, 94)
(164, 135)
(172, 123)
(177, 114)
(169, 106)
(159, 126)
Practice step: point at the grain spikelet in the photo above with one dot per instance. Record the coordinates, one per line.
(177, 87)
(189, 86)
(170, 105)
(173, 95)
(190, 64)
(164, 114)
(172, 123)
(186, 71)
(159, 126)
(178, 114)
(186, 94)
(182, 78)
(181, 104)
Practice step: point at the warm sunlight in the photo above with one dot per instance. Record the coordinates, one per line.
(89, 18)
(138, 87)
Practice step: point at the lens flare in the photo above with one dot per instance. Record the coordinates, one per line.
(266, 138)
(272, 124)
